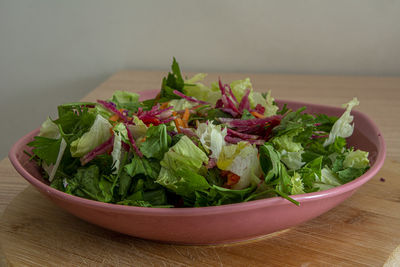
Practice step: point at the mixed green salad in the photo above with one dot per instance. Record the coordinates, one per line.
(195, 145)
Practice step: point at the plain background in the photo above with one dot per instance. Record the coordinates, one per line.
(52, 52)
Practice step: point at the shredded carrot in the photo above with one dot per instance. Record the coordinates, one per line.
(174, 113)
(195, 107)
(164, 105)
(114, 117)
(186, 115)
(257, 115)
(179, 123)
(143, 139)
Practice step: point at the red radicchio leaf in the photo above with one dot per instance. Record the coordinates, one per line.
(244, 136)
(130, 137)
(260, 109)
(100, 149)
(111, 107)
(189, 98)
(211, 163)
(245, 103)
(188, 132)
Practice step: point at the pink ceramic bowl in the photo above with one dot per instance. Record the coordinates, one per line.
(212, 225)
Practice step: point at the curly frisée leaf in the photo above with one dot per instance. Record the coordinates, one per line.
(212, 137)
(343, 127)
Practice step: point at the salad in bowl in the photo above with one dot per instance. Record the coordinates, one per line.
(195, 145)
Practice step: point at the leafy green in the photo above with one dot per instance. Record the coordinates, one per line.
(173, 81)
(46, 148)
(147, 167)
(297, 186)
(349, 174)
(310, 172)
(356, 159)
(342, 126)
(221, 196)
(74, 121)
(269, 161)
(49, 129)
(126, 100)
(157, 142)
(98, 133)
(88, 183)
(182, 181)
(247, 115)
(212, 137)
(266, 102)
(184, 154)
(199, 91)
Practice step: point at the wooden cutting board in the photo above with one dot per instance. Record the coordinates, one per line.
(362, 231)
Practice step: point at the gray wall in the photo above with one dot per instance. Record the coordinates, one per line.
(56, 51)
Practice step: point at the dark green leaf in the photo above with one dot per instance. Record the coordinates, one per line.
(149, 168)
(46, 148)
(173, 81)
(350, 174)
(189, 181)
(125, 181)
(269, 161)
(157, 142)
(309, 172)
(247, 115)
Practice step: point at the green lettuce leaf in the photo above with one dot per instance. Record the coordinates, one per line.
(124, 99)
(181, 104)
(184, 154)
(147, 167)
(343, 127)
(356, 159)
(120, 134)
(297, 186)
(182, 181)
(212, 137)
(199, 91)
(49, 129)
(292, 160)
(240, 159)
(328, 179)
(98, 134)
(267, 102)
(156, 143)
(180, 167)
(269, 161)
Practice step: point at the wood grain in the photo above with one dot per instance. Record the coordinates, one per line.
(363, 231)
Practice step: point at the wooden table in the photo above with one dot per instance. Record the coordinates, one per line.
(363, 231)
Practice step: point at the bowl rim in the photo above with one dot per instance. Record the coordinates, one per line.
(199, 211)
